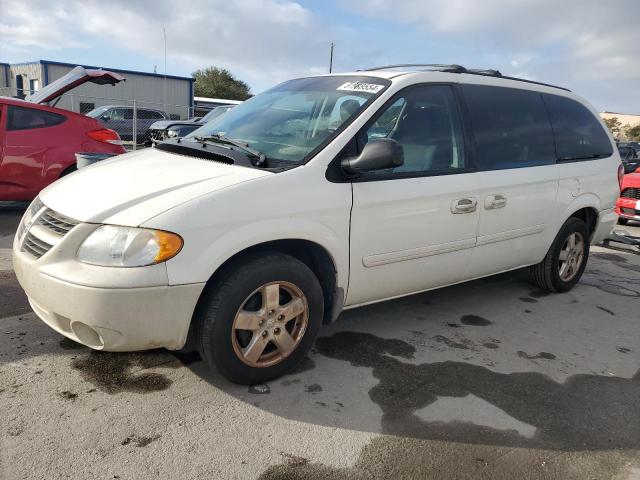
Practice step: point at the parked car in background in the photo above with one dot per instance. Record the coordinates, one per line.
(38, 142)
(628, 205)
(120, 118)
(320, 194)
(630, 156)
(164, 129)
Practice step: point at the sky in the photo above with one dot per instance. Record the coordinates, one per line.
(589, 46)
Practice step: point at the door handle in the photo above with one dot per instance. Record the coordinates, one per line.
(464, 205)
(492, 202)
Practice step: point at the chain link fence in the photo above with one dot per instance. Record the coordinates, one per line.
(131, 119)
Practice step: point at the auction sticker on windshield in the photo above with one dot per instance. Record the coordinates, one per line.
(360, 87)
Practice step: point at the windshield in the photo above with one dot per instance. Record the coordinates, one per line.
(215, 113)
(289, 121)
(96, 112)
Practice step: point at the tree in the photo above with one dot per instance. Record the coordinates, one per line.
(614, 125)
(217, 82)
(633, 133)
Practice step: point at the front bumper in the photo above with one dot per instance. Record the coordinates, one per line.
(628, 208)
(111, 309)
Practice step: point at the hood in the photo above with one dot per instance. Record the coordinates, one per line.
(75, 77)
(134, 187)
(164, 124)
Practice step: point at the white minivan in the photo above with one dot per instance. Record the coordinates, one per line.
(321, 194)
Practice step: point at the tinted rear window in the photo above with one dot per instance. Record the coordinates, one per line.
(579, 135)
(510, 126)
(20, 118)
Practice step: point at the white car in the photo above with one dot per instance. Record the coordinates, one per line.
(321, 194)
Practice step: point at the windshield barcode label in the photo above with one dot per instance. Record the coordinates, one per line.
(360, 87)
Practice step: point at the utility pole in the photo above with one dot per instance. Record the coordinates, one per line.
(331, 58)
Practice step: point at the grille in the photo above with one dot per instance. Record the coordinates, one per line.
(631, 193)
(56, 222)
(53, 226)
(35, 246)
(157, 135)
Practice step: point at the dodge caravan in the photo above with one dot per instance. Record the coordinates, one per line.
(321, 194)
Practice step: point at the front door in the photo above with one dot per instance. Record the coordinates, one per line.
(414, 227)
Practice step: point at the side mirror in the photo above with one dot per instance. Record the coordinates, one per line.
(376, 155)
(638, 170)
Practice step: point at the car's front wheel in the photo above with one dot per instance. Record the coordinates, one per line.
(566, 260)
(260, 319)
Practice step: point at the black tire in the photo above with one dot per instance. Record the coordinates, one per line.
(546, 274)
(623, 221)
(223, 298)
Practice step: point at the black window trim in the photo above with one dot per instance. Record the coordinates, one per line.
(8, 127)
(335, 174)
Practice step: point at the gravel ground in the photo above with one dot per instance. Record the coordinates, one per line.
(490, 379)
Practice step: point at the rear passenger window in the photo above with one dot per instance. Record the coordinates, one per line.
(578, 134)
(510, 126)
(20, 118)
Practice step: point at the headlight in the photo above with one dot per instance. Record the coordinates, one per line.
(27, 219)
(112, 246)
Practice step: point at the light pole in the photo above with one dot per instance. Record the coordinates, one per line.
(331, 58)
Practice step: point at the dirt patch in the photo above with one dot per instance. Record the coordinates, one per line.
(139, 441)
(475, 321)
(543, 355)
(125, 372)
(68, 395)
(450, 343)
(528, 300)
(314, 388)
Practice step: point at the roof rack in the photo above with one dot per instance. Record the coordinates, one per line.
(454, 68)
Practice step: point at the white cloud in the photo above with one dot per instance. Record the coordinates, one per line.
(600, 39)
(263, 41)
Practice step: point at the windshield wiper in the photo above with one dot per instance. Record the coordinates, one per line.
(259, 158)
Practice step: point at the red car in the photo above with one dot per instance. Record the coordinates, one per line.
(628, 205)
(38, 142)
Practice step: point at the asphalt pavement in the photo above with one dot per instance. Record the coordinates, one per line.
(488, 379)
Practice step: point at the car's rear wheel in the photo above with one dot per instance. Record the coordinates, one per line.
(566, 260)
(260, 320)
(622, 221)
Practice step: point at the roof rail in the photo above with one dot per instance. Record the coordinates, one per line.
(454, 68)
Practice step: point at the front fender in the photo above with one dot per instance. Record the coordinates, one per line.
(200, 260)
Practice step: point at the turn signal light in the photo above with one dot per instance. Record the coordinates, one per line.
(620, 175)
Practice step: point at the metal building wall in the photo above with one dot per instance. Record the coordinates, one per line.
(147, 91)
(4, 79)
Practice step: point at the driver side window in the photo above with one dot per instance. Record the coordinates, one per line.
(426, 122)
